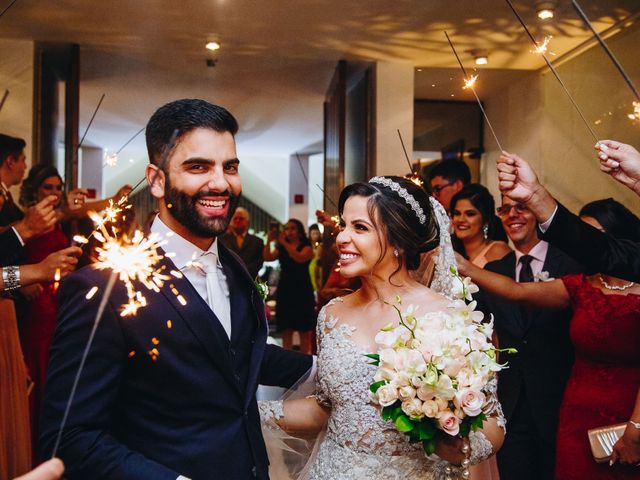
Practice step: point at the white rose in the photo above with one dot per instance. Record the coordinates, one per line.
(406, 393)
(413, 408)
(470, 401)
(387, 395)
(430, 408)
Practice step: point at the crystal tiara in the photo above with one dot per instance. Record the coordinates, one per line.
(406, 196)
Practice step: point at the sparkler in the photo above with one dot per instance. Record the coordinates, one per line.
(111, 160)
(543, 48)
(469, 82)
(4, 98)
(306, 180)
(90, 122)
(413, 176)
(610, 54)
(553, 70)
(7, 8)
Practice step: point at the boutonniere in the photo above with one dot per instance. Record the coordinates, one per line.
(263, 289)
(542, 277)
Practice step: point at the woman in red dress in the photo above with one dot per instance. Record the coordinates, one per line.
(605, 330)
(38, 321)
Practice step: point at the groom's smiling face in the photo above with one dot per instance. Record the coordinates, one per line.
(200, 188)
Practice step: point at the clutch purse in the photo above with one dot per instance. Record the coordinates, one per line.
(603, 439)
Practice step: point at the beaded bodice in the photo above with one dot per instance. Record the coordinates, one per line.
(358, 443)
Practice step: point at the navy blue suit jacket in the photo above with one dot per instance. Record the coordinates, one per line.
(187, 408)
(541, 367)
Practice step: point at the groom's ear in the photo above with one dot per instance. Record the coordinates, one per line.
(155, 179)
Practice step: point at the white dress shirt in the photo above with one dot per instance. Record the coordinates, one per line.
(212, 286)
(539, 254)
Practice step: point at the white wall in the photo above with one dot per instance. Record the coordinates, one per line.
(394, 110)
(16, 74)
(536, 120)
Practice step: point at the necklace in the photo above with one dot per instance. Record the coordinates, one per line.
(615, 287)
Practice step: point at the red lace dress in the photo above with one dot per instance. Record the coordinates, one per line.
(604, 381)
(39, 322)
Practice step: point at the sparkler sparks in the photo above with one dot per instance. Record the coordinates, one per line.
(636, 112)
(470, 82)
(542, 48)
(134, 259)
(111, 159)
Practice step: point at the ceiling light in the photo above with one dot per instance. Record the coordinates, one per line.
(212, 46)
(546, 10)
(481, 59)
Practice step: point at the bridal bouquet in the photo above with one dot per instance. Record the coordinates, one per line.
(433, 369)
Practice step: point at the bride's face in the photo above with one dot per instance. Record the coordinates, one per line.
(362, 247)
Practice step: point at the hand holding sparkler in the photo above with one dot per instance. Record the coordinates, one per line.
(621, 162)
(38, 219)
(518, 181)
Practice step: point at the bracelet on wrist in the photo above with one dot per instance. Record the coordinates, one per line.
(635, 425)
(11, 277)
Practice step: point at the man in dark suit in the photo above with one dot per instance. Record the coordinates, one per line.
(248, 247)
(170, 393)
(13, 165)
(531, 389)
(597, 251)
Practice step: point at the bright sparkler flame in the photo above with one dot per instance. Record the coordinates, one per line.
(543, 47)
(415, 178)
(134, 259)
(470, 82)
(636, 112)
(111, 159)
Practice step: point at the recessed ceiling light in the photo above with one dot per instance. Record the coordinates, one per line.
(212, 46)
(482, 59)
(419, 69)
(546, 9)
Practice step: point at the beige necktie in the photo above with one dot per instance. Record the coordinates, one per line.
(217, 290)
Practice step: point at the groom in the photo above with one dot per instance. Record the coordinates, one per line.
(170, 393)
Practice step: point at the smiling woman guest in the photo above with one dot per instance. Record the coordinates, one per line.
(478, 233)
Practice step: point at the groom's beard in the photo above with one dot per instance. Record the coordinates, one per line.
(184, 210)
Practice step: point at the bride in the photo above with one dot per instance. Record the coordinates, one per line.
(385, 225)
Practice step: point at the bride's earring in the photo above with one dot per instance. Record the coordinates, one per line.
(485, 231)
(396, 253)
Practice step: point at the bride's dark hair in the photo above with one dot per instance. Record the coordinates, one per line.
(391, 214)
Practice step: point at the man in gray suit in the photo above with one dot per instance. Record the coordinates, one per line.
(247, 246)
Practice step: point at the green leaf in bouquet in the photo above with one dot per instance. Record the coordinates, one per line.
(478, 421)
(388, 412)
(375, 386)
(404, 424)
(375, 357)
(465, 428)
(397, 411)
(426, 429)
(429, 446)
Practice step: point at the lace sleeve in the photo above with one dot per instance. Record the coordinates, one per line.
(320, 395)
(492, 407)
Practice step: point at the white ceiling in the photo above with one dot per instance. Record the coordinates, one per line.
(278, 56)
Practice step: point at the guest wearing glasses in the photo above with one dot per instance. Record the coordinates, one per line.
(531, 389)
(446, 179)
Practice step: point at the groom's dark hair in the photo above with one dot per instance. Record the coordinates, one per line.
(173, 120)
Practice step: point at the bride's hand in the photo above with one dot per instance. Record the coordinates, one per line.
(450, 448)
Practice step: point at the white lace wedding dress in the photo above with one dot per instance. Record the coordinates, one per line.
(358, 444)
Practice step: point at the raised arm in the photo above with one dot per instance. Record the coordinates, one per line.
(621, 162)
(551, 294)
